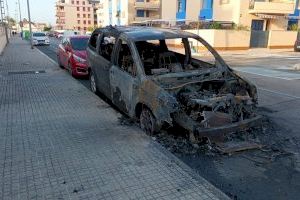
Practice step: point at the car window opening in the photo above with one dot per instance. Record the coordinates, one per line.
(107, 45)
(93, 41)
(39, 34)
(125, 60)
(171, 55)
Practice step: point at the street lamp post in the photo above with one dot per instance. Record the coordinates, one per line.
(21, 25)
(29, 19)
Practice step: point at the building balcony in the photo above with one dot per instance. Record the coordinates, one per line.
(60, 14)
(272, 6)
(60, 22)
(141, 19)
(60, 3)
(155, 5)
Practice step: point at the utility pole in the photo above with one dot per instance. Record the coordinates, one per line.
(8, 18)
(2, 19)
(21, 23)
(30, 30)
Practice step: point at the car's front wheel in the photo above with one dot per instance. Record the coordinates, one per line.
(148, 122)
(93, 84)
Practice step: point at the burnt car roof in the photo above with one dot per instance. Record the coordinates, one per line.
(138, 33)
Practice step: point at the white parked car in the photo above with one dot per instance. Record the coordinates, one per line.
(39, 38)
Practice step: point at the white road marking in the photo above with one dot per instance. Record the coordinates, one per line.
(50, 59)
(266, 75)
(279, 93)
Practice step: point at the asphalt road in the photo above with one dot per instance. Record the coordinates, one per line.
(275, 172)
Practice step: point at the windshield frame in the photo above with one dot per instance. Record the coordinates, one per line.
(76, 40)
(39, 34)
(220, 63)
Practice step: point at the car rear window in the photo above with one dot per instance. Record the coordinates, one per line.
(79, 44)
(39, 34)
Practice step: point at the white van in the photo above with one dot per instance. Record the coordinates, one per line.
(67, 34)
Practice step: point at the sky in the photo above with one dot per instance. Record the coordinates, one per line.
(40, 10)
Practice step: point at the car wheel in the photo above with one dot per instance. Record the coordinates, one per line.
(148, 122)
(93, 84)
(59, 63)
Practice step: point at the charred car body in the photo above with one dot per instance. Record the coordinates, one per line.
(163, 76)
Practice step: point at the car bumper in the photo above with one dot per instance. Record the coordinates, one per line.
(80, 69)
(40, 43)
(214, 132)
(218, 133)
(297, 47)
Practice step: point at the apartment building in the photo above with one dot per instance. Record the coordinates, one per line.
(124, 12)
(260, 15)
(255, 14)
(76, 14)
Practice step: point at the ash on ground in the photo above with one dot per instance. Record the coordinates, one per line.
(176, 140)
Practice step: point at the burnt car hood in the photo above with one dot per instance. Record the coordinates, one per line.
(210, 99)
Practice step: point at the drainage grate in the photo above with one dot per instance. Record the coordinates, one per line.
(27, 72)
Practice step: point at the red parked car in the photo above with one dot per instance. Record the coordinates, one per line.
(71, 54)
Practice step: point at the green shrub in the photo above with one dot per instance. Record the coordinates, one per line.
(294, 27)
(215, 25)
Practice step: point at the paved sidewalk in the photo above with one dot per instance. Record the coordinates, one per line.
(60, 141)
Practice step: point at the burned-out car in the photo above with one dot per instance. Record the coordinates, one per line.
(163, 76)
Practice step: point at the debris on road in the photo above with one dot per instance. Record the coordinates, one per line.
(297, 67)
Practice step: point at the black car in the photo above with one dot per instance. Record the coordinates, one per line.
(163, 76)
(297, 45)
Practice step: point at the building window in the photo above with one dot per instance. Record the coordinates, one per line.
(84, 15)
(140, 13)
(89, 22)
(88, 8)
(78, 9)
(83, 9)
(77, 2)
(89, 16)
(181, 6)
(84, 22)
(78, 15)
(72, 2)
(207, 4)
(83, 3)
(78, 21)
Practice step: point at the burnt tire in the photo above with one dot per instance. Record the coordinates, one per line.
(148, 122)
(93, 83)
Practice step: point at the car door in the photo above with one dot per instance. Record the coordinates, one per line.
(64, 52)
(123, 77)
(92, 53)
(60, 52)
(102, 62)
